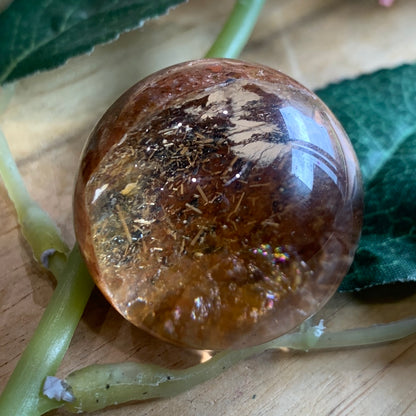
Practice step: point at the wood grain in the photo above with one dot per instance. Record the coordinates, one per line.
(47, 122)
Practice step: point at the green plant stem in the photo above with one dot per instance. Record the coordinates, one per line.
(359, 337)
(237, 30)
(36, 225)
(99, 386)
(48, 345)
(23, 394)
(6, 94)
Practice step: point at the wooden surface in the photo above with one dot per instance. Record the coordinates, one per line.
(47, 122)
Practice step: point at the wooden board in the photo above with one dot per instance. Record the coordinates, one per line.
(47, 122)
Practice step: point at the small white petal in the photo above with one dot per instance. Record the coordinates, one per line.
(55, 388)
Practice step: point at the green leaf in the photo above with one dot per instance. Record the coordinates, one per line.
(378, 111)
(44, 34)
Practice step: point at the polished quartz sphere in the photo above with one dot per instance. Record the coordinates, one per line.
(218, 204)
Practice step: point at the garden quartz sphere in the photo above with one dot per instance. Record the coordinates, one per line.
(218, 204)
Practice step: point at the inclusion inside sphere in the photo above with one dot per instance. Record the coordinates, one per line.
(218, 204)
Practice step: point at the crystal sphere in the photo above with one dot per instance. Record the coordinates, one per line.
(218, 204)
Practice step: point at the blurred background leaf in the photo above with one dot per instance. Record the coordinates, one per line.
(41, 35)
(378, 111)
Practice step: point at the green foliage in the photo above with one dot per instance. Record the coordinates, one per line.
(44, 34)
(378, 111)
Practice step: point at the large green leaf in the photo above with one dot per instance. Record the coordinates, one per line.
(43, 34)
(378, 111)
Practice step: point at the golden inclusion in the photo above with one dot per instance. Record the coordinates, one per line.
(218, 204)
